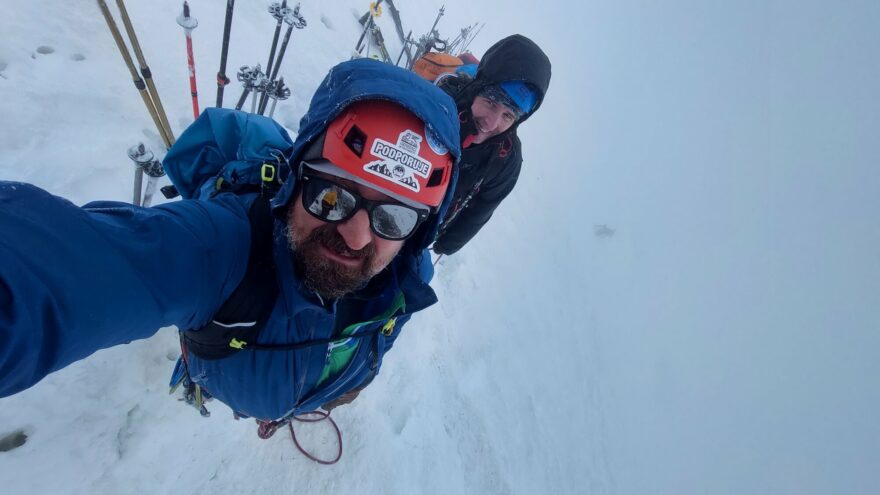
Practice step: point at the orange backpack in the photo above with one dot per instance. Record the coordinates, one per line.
(432, 64)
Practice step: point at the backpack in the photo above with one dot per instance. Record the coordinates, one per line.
(433, 64)
(230, 151)
(227, 150)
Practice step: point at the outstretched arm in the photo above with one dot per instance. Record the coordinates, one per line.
(75, 280)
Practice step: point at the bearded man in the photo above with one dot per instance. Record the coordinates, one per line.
(287, 292)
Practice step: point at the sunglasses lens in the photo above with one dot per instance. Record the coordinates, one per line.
(331, 202)
(394, 221)
(328, 201)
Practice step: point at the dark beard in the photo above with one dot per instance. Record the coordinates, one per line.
(329, 279)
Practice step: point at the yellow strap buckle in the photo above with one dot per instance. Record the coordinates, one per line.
(237, 344)
(267, 172)
(388, 329)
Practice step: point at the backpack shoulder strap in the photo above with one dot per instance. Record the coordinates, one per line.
(247, 310)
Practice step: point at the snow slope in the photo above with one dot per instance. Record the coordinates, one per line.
(722, 340)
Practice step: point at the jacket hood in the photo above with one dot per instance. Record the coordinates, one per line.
(367, 79)
(515, 58)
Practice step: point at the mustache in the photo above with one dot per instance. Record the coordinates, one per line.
(329, 237)
(324, 276)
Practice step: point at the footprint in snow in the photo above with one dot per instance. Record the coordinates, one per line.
(12, 440)
(42, 50)
(77, 57)
(326, 22)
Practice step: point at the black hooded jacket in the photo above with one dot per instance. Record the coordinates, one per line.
(488, 171)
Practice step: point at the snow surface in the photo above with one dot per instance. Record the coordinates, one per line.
(722, 340)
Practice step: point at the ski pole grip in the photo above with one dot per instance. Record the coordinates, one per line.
(186, 21)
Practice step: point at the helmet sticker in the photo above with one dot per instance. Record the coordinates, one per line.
(434, 142)
(398, 163)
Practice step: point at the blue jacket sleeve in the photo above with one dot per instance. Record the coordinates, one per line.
(75, 280)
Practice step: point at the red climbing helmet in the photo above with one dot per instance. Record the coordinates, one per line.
(385, 146)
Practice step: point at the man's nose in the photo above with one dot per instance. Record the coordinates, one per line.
(492, 119)
(356, 230)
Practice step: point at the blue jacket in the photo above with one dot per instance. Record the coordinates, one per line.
(74, 280)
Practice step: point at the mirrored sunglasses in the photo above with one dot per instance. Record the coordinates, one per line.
(333, 203)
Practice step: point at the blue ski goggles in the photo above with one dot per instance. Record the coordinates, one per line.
(333, 203)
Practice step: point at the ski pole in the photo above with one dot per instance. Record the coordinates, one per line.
(278, 11)
(242, 99)
(357, 47)
(153, 170)
(294, 20)
(139, 155)
(138, 82)
(466, 45)
(145, 70)
(395, 16)
(188, 23)
(379, 39)
(437, 20)
(461, 38)
(279, 92)
(367, 22)
(247, 76)
(261, 84)
(427, 41)
(138, 186)
(404, 49)
(455, 41)
(244, 92)
(222, 80)
(146, 164)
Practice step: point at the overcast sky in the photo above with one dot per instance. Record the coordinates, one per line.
(734, 148)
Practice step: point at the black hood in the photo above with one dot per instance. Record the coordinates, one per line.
(515, 58)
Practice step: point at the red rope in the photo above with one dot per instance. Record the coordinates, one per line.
(321, 416)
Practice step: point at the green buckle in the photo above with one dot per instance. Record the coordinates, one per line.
(388, 329)
(237, 344)
(267, 172)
